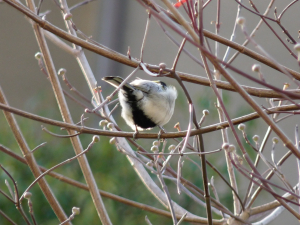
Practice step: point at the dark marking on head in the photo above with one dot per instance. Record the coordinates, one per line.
(163, 84)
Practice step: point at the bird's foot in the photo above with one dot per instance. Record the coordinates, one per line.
(162, 131)
(135, 133)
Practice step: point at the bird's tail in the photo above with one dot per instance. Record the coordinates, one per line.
(116, 81)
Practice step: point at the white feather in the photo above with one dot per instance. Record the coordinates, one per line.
(156, 102)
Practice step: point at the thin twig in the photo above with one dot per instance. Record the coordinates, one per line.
(108, 98)
(31, 160)
(16, 198)
(145, 36)
(72, 88)
(7, 217)
(163, 184)
(58, 135)
(123, 58)
(88, 130)
(80, 4)
(56, 166)
(103, 193)
(182, 153)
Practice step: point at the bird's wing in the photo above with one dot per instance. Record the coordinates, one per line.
(116, 81)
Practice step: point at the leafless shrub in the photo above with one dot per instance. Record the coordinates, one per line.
(184, 20)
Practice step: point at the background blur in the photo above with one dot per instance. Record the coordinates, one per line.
(119, 24)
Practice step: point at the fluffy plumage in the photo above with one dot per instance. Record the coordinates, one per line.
(145, 104)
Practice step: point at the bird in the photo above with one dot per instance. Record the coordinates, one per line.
(145, 103)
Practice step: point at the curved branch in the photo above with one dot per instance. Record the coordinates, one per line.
(89, 130)
(131, 62)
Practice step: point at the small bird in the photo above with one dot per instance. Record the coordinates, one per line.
(145, 104)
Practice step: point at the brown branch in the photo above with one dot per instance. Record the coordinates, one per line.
(269, 206)
(31, 161)
(88, 130)
(269, 176)
(7, 217)
(58, 165)
(258, 92)
(16, 196)
(105, 194)
(133, 63)
(64, 110)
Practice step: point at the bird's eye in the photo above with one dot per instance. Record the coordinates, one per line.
(163, 84)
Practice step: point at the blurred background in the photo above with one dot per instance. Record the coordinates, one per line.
(117, 25)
